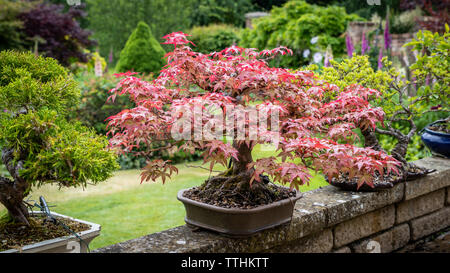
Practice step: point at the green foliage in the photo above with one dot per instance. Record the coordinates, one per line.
(112, 21)
(36, 94)
(142, 52)
(404, 22)
(357, 70)
(294, 25)
(42, 83)
(94, 109)
(56, 150)
(206, 12)
(214, 37)
(10, 27)
(433, 62)
(362, 7)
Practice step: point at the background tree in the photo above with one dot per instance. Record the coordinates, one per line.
(142, 52)
(38, 144)
(214, 37)
(205, 12)
(64, 38)
(112, 21)
(11, 35)
(294, 25)
(362, 8)
(267, 5)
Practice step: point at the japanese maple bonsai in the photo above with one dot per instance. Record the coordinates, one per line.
(313, 133)
(39, 145)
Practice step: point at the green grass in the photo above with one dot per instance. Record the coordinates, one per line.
(127, 209)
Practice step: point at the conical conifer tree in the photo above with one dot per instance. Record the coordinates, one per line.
(142, 52)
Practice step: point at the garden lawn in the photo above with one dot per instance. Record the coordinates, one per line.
(127, 209)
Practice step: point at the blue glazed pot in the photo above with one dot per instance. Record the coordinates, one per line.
(437, 142)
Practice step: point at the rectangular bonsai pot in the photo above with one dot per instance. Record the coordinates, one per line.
(235, 221)
(66, 244)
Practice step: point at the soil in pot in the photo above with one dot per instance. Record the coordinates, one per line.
(226, 192)
(17, 236)
(380, 182)
(441, 128)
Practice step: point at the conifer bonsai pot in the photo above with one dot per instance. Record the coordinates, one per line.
(237, 221)
(436, 137)
(65, 244)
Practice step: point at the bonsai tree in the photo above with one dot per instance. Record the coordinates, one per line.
(38, 144)
(142, 52)
(431, 92)
(193, 90)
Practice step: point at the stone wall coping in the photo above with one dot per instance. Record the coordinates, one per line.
(317, 210)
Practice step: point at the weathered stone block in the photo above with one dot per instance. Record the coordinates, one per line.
(306, 219)
(385, 242)
(447, 201)
(364, 226)
(321, 242)
(432, 182)
(431, 223)
(420, 206)
(360, 203)
(334, 206)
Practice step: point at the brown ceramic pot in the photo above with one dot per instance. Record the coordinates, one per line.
(237, 222)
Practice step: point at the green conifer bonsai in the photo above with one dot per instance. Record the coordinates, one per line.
(142, 52)
(38, 144)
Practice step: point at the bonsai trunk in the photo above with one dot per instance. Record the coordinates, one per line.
(12, 199)
(244, 156)
(370, 139)
(235, 182)
(13, 191)
(399, 151)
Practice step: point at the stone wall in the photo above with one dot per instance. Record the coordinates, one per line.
(356, 29)
(330, 220)
(253, 15)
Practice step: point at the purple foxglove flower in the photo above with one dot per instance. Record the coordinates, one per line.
(326, 63)
(387, 35)
(380, 58)
(364, 44)
(111, 56)
(349, 44)
(328, 56)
